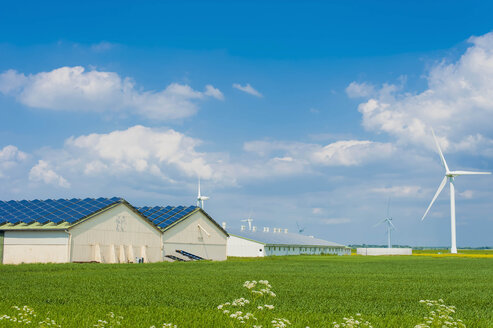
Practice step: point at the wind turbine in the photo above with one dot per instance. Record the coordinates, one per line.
(200, 198)
(300, 228)
(249, 220)
(390, 225)
(450, 176)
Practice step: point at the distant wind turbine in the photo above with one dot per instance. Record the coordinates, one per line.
(249, 220)
(200, 198)
(450, 176)
(300, 228)
(390, 225)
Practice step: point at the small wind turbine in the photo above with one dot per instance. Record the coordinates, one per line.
(450, 176)
(300, 228)
(390, 225)
(200, 198)
(249, 220)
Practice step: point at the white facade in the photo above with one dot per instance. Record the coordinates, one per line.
(241, 247)
(35, 246)
(117, 235)
(384, 251)
(197, 235)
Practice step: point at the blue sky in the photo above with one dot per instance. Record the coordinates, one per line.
(308, 112)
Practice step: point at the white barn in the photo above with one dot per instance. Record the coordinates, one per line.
(105, 230)
(254, 243)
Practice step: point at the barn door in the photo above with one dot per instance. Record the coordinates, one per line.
(1, 246)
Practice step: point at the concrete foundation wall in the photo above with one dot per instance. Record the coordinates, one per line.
(35, 247)
(196, 235)
(384, 251)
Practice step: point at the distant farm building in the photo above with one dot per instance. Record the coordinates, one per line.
(384, 251)
(255, 243)
(106, 230)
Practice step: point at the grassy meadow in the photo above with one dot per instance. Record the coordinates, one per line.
(311, 290)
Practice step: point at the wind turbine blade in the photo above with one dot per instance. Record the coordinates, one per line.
(393, 227)
(379, 223)
(467, 173)
(440, 151)
(444, 181)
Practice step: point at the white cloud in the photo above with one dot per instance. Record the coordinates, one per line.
(399, 191)
(12, 82)
(10, 156)
(102, 46)
(74, 88)
(335, 221)
(351, 152)
(356, 90)
(140, 149)
(458, 104)
(213, 92)
(248, 89)
(467, 194)
(317, 210)
(156, 155)
(340, 153)
(43, 172)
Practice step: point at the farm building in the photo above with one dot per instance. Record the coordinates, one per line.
(254, 243)
(106, 230)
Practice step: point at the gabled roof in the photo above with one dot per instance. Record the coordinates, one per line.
(281, 238)
(52, 214)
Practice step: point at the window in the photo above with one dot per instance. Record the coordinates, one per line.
(260, 250)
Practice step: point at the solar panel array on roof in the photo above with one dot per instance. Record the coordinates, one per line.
(51, 210)
(163, 217)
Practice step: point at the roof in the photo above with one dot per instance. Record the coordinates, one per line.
(165, 216)
(52, 214)
(281, 238)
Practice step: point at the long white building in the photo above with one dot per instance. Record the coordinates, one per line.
(105, 230)
(254, 243)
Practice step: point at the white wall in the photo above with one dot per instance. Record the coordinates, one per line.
(307, 250)
(35, 246)
(384, 251)
(109, 231)
(187, 236)
(241, 247)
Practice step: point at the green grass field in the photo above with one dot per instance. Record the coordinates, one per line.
(311, 290)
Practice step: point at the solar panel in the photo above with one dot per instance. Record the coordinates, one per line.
(156, 215)
(177, 216)
(73, 210)
(50, 210)
(142, 210)
(169, 214)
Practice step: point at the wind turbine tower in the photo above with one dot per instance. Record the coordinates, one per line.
(450, 176)
(390, 225)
